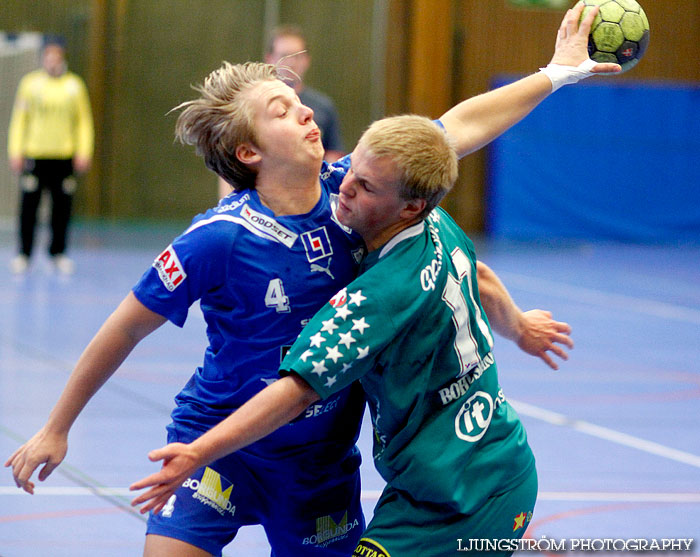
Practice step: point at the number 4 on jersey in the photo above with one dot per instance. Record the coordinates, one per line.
(275, 297)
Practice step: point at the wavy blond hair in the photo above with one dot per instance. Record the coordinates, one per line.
(221, 119)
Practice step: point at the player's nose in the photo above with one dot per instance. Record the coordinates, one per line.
(306, 114)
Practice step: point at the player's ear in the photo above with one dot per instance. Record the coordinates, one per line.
(248, 154)
(413, 208)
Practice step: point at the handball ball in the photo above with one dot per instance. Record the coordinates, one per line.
(620, 32)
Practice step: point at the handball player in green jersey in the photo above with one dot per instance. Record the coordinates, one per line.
(412, 330)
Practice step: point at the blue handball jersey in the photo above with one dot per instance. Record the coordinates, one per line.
(259, 279)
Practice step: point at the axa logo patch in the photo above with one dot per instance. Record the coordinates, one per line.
(328, 531)
(210, 491)
(474, 417)
(317, 244)
(169, 269)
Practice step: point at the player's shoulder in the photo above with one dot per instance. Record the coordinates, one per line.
(232, 203)
(239, 220)
(333, 173)
(221, 220)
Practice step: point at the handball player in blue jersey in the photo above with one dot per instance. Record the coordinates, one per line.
(261, 264)
(412, 329)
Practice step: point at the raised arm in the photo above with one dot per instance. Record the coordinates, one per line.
(273, 407)
(534, 331)
(115, 340)
(479, 120)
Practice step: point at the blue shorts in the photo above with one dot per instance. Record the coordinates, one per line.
(305, 510)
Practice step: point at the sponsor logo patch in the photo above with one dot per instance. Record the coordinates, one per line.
(328, 531)
(340, 298)
(269, 225)
(167, 510)
(169, 269)
(369, 548)
(522, 520)
(209, 491)
(474, 417)
(317, 244)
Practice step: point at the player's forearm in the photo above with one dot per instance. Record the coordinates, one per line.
(502, 313)
(477, 121)
(272, 408)
(115, 340)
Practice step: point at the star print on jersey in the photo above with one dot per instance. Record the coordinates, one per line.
(346, 339)
(333, 354)
(319, 368)
(339, 343)
(343, 312)
(360, 325)
(357, 298)
(329, 326)
(317, 340)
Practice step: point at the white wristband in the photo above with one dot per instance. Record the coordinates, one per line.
(564, 75)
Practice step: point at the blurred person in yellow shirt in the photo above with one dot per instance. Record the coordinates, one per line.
(50, 140)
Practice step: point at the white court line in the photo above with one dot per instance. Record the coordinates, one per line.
(373, 494)
(599, 298)
(555, 418)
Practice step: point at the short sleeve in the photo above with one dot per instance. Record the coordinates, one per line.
(195, 263)
(343, 340)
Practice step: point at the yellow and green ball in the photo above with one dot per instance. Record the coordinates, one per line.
(620, 32)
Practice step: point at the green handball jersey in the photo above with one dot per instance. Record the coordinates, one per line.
(412, 330)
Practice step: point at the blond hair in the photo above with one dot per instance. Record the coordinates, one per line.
(221, 119)
(422, 152)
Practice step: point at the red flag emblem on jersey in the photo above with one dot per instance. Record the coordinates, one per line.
(340, 298)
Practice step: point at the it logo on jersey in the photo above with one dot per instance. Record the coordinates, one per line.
(317, 244)
(209, 490)
(169, 269)
(474, 417)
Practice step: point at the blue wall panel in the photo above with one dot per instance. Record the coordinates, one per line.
(601, 161)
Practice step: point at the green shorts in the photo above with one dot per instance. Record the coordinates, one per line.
(403, 528)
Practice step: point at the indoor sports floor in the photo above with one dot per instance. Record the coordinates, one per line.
(616, 431)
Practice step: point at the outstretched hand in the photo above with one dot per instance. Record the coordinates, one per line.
(44, 448)
(571, 47)
(179, 461)
(541, 334)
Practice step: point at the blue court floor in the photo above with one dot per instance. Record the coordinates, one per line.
(616, 431)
